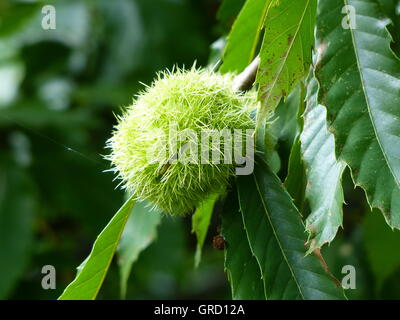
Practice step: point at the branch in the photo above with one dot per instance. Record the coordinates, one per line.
(245, 80)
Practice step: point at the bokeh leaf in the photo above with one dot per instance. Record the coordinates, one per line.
(140, 231)
(72, 28)
(14, 18)
(379, 241)
(360, 84)
(277, 239)
(324, 173)
(91, 275)
(228, 11)
(17, 210)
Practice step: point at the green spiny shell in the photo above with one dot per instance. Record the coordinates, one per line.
(190, 99)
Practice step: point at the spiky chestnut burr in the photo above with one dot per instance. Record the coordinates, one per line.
(196, 100)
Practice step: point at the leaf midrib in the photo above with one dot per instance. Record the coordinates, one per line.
(277, 238)
(278, 74)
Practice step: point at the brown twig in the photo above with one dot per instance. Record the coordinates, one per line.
(245, 80)
(317, 253)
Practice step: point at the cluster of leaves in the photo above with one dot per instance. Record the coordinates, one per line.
(348, 97)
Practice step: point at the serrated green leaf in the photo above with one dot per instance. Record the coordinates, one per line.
(200, 223)
(240, 264)
(244, 36)
(285, 52)
(324, 173)
(92, 273)
(359, 80)
(140, 231)
(277, 238)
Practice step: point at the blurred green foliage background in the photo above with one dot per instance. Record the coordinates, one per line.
(58, 92)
